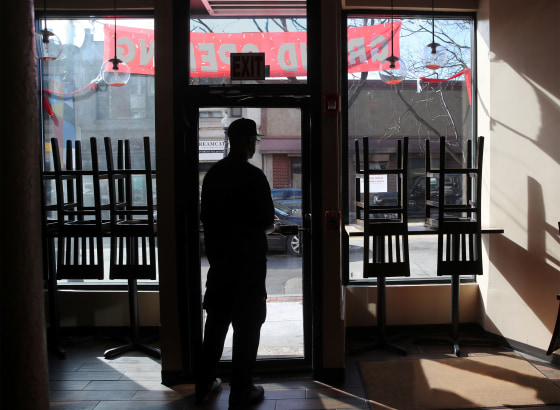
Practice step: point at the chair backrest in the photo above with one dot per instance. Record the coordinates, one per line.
(458, 223)
(133, 220)
(388, 244)
(459, 248)
(385, 223)
(80, 227)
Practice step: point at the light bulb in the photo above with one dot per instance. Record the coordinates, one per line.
(116, 72)
(434, 56)
(48, 45)
(392, 70)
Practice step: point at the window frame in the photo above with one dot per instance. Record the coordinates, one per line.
(345, 15)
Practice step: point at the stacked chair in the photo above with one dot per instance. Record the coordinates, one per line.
(385, 234)
(133, 232)
(78, 226)
(458, 227)
(84, 217)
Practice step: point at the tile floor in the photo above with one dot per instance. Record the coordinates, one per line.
(85, 380)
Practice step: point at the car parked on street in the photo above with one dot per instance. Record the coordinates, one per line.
(287, 196)
(286, 237)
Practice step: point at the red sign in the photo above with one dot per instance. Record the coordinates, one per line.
(285, 52)
(135, 46)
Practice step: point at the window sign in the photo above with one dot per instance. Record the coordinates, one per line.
(377, 183)
(247, 66)
(212, 150)
(286, 52)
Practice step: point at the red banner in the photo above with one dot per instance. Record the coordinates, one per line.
(135, 46)
(368, 46)
(285, 52)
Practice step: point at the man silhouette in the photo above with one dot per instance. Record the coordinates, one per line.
(237, 213)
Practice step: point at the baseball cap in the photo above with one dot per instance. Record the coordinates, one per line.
(243, 127)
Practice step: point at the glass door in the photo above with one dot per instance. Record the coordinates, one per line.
(280, 155)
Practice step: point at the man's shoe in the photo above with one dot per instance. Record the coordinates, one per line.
(241, 399)
(203, 393)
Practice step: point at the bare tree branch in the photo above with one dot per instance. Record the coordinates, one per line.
(202, 23)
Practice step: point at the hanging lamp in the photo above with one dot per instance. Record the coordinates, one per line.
(392, 70)
(115, 72)
(434, 55)
(48, 45)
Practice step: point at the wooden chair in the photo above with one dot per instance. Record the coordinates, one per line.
(49, 224)
(80, 227)
(133, 233)
(133, 222)
(459, 230)
(555, 340)
(385, 235)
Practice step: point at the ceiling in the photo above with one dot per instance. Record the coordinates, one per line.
(253, 8)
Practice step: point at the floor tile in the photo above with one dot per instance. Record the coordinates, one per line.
(86, 380)
(57, 384)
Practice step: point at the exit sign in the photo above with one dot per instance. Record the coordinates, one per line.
(247, 66)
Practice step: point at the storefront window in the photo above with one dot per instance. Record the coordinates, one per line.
(430, 102)
(78, 104)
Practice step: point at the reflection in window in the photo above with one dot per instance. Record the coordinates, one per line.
(282, 39)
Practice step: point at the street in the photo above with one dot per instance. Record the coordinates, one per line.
(422, 251)
(284, 274)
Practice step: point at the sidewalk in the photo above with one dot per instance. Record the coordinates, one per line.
(282, 333)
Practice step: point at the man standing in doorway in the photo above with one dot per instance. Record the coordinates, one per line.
(237, 213)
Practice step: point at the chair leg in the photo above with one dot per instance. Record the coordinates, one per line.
(134, 344)
(454, 339)
(555, 340)
(382, 341)
(54, 311)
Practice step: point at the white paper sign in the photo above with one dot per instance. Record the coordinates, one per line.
(377, 183)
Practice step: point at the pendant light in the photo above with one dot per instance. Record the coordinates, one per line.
(49, 46)
(434, 55)
(115, 72)
(392, 70)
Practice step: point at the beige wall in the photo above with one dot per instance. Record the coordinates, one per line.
(519, 110)
(412, 305)
(107, 308)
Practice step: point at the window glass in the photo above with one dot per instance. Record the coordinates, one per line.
(78, 104)
(283, 40)
(428, 103)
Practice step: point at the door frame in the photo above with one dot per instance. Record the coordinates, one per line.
(195, 311)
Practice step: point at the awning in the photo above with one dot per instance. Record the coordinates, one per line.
(271, 145)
